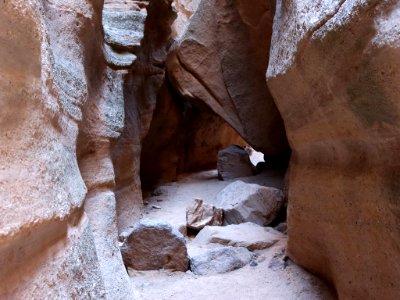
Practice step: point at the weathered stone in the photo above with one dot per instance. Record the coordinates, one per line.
(246, 202)
(234, 162)
(153, 245)
(47, 249)
(248, 235)
(221, 60)
(334, 74)
(123, 29)
(142, 85)
(118, 60)
(220, 260)
(201, 214)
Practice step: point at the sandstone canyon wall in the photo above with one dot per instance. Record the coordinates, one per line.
(77, 98)
(334, 73)
(47, 50)
(86, 108)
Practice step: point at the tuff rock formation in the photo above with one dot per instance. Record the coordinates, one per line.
(221, 60)
(334, 73)
(87, 111)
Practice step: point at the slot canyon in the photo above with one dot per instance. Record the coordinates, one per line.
(199, 149)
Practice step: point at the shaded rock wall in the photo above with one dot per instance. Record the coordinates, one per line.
(334, 72)
(182, 138)
(221, 60)
(140, 92)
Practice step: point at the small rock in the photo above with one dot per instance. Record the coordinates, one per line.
(201, 214)
(220, 260)
(253, 263)
(246, 202)
(156, 207)
(282, 227)
(248, 235)
(160, 200)
(159, 191)
(234, 162)
(155, 245)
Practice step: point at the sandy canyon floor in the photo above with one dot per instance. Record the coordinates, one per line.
(275, 277)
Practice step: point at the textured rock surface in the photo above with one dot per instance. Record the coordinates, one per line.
(234, 162)
(46, 244)
(201, 214)
(221, 60)
(246, 202)
(197, 134)
(248, 235)
(155, 245)
(142, 85)
(220, 260)
(334, 72)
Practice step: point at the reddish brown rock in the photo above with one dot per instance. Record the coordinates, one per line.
(221, 60)
(334, 73)
(152, 245)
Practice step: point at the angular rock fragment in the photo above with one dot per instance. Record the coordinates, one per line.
(248, 235)
(245, 202)
(153, 245)
(234, 162)
(220, 260)
(201, 214)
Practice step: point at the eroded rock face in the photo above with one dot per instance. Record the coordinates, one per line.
(221, 60)
(46, 244)
(334, 72)
(155, 245)
(182, 138)
(142, 85)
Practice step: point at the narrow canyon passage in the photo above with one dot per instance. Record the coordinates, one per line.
(199, 149)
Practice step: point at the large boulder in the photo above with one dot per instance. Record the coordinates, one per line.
(234, 162)
(201, 214)
(247, 202)
(221, 60)
(334, 73)
(220, 260)
(248, 235)
(153, 245)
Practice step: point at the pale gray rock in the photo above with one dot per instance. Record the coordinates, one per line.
(220, 260)
(234, 162)
(118, 60)
(245, 202)
(124, 29)
(248, 235)
(154, 245)
(200, 214)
